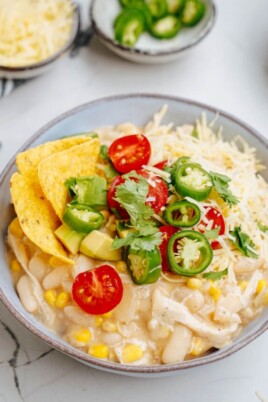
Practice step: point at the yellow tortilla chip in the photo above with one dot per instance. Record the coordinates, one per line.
(28, 161)
(36, 216)
(53, 171)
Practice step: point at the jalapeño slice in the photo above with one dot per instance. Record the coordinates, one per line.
(144, 266)
(182, 214)
(189, 253)
(191, 180)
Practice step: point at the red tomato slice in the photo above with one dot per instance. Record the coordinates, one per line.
(158, 191)
(214, 215)
(130, 152)
(114, 205)
(98, 291)
(161, 165)
(167, 231)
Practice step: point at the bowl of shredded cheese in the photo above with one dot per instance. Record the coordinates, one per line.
(35, 34)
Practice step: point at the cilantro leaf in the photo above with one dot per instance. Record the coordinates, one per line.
(132, 196)
(215, 276)
(104, 152)
(262, 227)
(243, 242)
(212, 233)
(195, 133)
(126, 241)
(221, 185)
(147, 243)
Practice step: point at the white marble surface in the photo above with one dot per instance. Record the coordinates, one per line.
(228, 70)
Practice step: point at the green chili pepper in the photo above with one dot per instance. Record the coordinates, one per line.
(127, 3)
(192, 181)
(158, 8)
(166, 27)
(144, 266)
(129, 25)
(192, 12)
(189, 253)
(182, 214)
(81, 218)
(175, 6)
(141, 6)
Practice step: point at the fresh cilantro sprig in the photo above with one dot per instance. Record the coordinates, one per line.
(221, 184)
(243, 242)
(132, 196)
(215, 276)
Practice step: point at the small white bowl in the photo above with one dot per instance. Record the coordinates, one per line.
(33, 70)
(148, 49)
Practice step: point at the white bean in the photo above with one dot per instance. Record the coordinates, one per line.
(55, 277)
(82, 264)
(111, 338)
(178, 345)
(194, 301)
(38, 267)
(25, 292)
(78, 316)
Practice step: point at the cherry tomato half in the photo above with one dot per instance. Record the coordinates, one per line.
(158, 191)
(167, 231)
(130, 152)
(114, 205)
(156, 198)
(98, 291)
(161, 165)
(214, 215)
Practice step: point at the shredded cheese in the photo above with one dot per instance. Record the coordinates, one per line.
(33, 30)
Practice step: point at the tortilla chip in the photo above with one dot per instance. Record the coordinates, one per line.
(53, 171)
(28, 161)
(36, 216)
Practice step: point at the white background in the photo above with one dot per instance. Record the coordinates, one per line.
(228, 70)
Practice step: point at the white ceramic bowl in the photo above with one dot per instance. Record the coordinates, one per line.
(33, 70)
(110, 111)
(148, 49)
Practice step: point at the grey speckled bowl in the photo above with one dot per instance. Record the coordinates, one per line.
(148, 49)
(109, 111)
(36, 69)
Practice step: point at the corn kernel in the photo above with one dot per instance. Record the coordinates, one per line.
(215, 293)
(131, 353)
(107, 315)
(98, 321)
(54, 262)
(100, 351)
(15, 228)
(121, 267)
(194, 283)
(62, 299)
(15, 266)
(196, 348)
(243, 285)
(260, 286)
(265, 299)
(50, 297)
(83, 336)
(109, 326)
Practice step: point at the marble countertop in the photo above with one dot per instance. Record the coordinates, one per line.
(228, 70)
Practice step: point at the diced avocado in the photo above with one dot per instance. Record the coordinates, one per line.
(99, 245)
(69, 238)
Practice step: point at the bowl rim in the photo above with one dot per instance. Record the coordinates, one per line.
(134, 51)
(81, 356)
(43, 63)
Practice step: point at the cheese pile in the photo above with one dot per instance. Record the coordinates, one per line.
(33, 30)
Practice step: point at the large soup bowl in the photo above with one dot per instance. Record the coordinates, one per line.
(139, 109)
